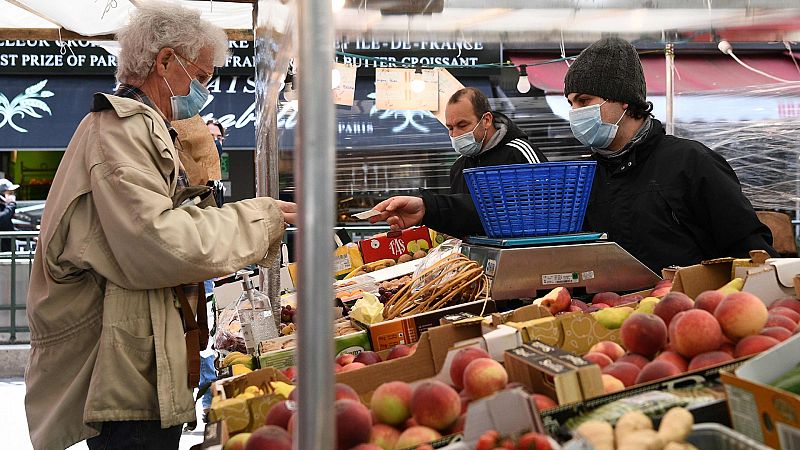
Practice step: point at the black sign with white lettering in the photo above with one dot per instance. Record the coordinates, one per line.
(85, 58)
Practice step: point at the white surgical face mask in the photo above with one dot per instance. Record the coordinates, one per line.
(588, 127)
(189, 105)
(466, 143)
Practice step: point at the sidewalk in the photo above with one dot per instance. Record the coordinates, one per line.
(14, 425)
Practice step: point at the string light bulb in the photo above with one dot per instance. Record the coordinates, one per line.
(336, 78)
(417, 85)
(523, 85)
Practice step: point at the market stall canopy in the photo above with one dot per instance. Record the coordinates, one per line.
(693, 73)
(506, 21)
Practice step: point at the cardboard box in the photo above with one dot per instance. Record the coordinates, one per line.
(407, 330)
(393, 245)
(758, 410)
(573, 332)
(426, 362)
(543, 374)
(244, 414)
(770, 281)
(353, 343)
(346, 258)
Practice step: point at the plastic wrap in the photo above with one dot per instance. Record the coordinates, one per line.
(764, 150)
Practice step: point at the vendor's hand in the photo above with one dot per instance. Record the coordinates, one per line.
(400, 212)
(289, 210)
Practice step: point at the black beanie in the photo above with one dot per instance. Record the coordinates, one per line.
(609, 68)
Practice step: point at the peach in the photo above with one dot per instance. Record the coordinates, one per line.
(693, 332)
(269, 437)
(709, 359)
(353, 423)
(353, 366)
(790, 302)
(672, 304)
(741, 314)
(391, 402)
(460, 361)
(608, 298)
(609, 348)
(342, 391)
(345, 359)
(708, 300)
(384, 436)
(675, 359)
(612, 384)
(638, 360)
(582, 306)
(657, 370)
(784, 311)
(292, 424)
(458, 426)
(435, 405)
(631, 298)
(601, 359)
(661, 288)
(237, 442)
(367, 358)
(645, 334)
(728, 348)
(399, 351)
(556, 300)
(779, 333)
(752, 345)
(483, 377)
(779, 320)
(543, 402)
(625, 372)
(415, 436)
(280, 413)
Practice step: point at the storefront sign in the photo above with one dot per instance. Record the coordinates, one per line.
(85, 58)
(403, 53)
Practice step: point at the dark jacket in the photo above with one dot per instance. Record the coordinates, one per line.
(455, 213)
(672, 201)
(6, 214)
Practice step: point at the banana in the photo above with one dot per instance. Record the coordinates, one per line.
(230, 357)
(240, 369)
(281, 388)
(246, 361)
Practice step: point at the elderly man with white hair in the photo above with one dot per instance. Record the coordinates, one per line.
(109, 330)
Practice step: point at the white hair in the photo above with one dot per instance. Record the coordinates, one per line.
(157, 25)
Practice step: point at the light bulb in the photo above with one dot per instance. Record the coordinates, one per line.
(336, 78)
(337, 5)
(725, 47)
(523, 85)
(417, 85)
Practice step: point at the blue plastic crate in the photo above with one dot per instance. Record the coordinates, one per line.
(522, 200)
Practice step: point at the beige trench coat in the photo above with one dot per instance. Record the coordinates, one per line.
(106, 337)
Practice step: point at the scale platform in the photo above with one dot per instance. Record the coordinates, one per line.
(583, 262)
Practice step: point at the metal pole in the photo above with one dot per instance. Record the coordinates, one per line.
(669, 53)
(266, 157)
(315, 159)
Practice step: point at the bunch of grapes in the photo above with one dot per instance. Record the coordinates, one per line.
(388, 289)
(287, 314)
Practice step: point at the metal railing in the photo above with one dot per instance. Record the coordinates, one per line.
(16, 258)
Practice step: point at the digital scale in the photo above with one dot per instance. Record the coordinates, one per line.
(584, 262)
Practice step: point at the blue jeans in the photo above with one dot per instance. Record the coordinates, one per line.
(207, 374)
(136, 435)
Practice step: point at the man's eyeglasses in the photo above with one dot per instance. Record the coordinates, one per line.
(203, 77)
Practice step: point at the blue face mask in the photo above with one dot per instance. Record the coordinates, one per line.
(466, 143)
(189, 105)
(589, 128)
